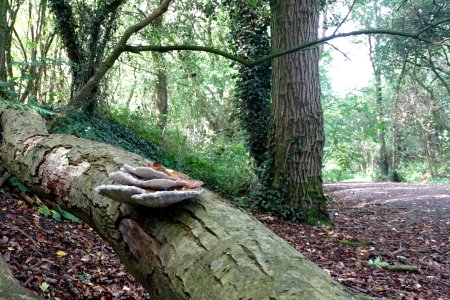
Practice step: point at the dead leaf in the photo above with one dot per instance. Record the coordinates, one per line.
(61, 253)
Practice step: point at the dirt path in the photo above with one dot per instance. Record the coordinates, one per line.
(422, 201)
(407, 224)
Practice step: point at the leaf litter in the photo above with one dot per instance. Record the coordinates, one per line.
(401, 224)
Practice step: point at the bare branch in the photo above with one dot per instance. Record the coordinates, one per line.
(251, 63)
(338, 50)
(345, 18)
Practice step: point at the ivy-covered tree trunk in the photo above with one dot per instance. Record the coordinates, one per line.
(3, 34)
(297, 133)
(198, 249)
(251, 40)
(85, 36)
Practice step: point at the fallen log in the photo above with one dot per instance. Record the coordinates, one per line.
(202, 248)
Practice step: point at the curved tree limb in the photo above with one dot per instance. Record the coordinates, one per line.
(252, 63)
(115, 53)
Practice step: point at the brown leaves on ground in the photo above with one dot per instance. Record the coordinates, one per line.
(408, 224)
(69, 257)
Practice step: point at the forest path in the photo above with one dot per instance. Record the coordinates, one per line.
(422, 201)
(407, 224)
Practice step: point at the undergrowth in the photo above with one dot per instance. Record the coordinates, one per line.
(223, 164)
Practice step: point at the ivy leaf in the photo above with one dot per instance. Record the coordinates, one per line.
(56, 215)
(44, 286)
(67, 215)
(44, 210)
(16, 183)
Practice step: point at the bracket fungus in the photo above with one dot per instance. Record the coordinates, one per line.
(152, 186)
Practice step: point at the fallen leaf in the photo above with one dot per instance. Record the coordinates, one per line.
(44, 286)
(61, 253)
(378, 288)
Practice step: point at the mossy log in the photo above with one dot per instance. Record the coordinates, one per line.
(356, 244)
(401, 268)
(197, 249)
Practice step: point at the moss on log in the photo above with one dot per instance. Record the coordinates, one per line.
(198, 249)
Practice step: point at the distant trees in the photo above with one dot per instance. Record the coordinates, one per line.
(285, 128)
(410, 77)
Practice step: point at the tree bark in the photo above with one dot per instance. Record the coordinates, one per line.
(198, 249)
(383, 161)
(3, 33)
(297, 134)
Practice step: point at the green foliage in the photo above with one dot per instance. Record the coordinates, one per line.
(40, 109)
(377, 263)
(66, 215)
(44, 286)
(56, 214)
(13, 181)
(92, 126)
(271, 201)
(439, 180)
(337, 174)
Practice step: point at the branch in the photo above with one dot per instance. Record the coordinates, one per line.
(338, 50)
(157, 48)
(252, 63)
(345, 18)
(116, 51)
(446, 20)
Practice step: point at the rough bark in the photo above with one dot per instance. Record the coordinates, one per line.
(199, 249)
(10, 288)
(3, 33)
(297, 134)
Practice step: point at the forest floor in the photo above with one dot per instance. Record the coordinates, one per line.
(407, 223)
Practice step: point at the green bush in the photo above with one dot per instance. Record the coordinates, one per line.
(107, 130)
(222, 163)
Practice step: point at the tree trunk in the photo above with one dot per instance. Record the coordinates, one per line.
(10, 288)
(3, 33)
(251, 40)
(198, 249)
(297, 134)
(162, 105)
(383, 160)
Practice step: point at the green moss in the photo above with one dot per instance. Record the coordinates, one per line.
(94, 127)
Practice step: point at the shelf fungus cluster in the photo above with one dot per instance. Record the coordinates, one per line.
(151, 186)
